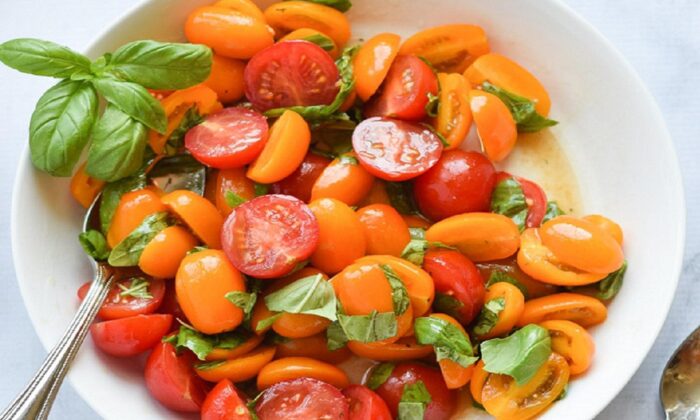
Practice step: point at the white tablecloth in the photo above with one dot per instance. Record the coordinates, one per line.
(661, 39)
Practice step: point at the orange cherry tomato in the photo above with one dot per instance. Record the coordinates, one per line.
(289, 368)
(201, 284)
(449, 48)
(307, 34)
(476, 385)
(239, 369)
(513, 311)
(507, 74)
(504, 399)
(260, 313)
(85, 188)
(372, 63)
(494, 124)
(416, 221)
(199, 214)
(341, 238)
(510, 267)
(298, 325)
(572, 342)
(226, 79)
(228, 32)
(344, 179)
(454, 374)
(376, 195)
(315, 347)
(584, 310)
(479, 236)
(385, 230)
(162, 256)
(247, 7)
(233, 180)
(284, 150)
(289, 16)
(405, 348)
(454, 116)
(133, 207)
(247, 346)
(607, 225)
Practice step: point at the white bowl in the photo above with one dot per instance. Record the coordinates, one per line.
(611, 131)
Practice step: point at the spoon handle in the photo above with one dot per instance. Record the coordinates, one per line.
(35, 401)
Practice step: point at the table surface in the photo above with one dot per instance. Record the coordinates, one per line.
(661, 39)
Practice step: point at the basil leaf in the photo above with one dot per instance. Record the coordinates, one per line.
(118, 146)
(519, 355)
(349, 160)
(179, 172)
(553, 210)
(267, 322)
(417, 233)
(60, 126)
(431, 108)
(321, 40)
(522, 109)
(376, 326)
(197, 249)
(448, 304)
(209, 365)
(610, 286)
(94, 244)
(416, 248)
(137, 288)
(202, 344)
(447, 340)
(260, 189)
(311, 295)
(342, 5)
(162, 65)
(488, 317)
(245, 301)
(401, 197)
(128, 251)
(43, 58)
(503, 277)
(176, 140)
(335, 336)
(234, 200)
(379, 375)
(508, 199)
(112, 193)
(414, 399)
(133, 100)
(399, 294)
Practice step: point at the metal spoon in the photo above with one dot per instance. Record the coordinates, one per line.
(37, 398)
(680, 382)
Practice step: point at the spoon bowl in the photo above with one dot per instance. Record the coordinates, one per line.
(680, 381)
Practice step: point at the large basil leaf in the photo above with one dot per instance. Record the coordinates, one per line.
(179, 172)
(342, 5)
(128, 251)
(522, 109)
(133, 100)
(414, 400)
(519, 355)
(311, 295)
(508, 199)
(202, 344)
(447, 340)
(43, 58)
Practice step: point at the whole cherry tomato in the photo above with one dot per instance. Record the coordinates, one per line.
(301, 181)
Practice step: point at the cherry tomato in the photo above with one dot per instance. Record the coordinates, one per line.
(298, 325)
(133, 207)
(130, 336)
(301, 181)
(301, 399)
(340, 235)
(456, 276)
(395, 150)
(343, 179)
(228, 139)
(288, 16)
(510, 267)
(572, 342)
(535, 198)
(171, 380)
(290, 368)
(226, 79)
(443, 401)
(460, 182)
(233, 180)
(449, 48)
(494, 124)
(120, 305)
(306, 34)
(315, 347)
(198, 213)
(247, 7)
(291, 73)
(376, 195)
(609, 226)
(414, 221)
(385, 230)
(85, 188)
(240, 369)
(224, 402)
(454, 116)
(269, 235)
(512, 312)
(583, 310)
(365, 404)
(170, 305)
(476, 384)
(404, 93)
(372, 63)
(162, 256)
(403, 349)
(218, 353)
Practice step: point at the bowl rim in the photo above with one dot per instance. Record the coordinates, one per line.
(674, 176)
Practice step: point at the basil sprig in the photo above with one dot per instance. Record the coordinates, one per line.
(519, 355)
(128, 251)
(447, 340)
(523, 109)
(508, 199)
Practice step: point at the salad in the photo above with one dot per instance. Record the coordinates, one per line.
(306, 226)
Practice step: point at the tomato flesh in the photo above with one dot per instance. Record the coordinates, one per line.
(118, 305)
(302, 399)
(130, 336)
(301, 181)
(267, 236)
(224, 402)
(366, 404)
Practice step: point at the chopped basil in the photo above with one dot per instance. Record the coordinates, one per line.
(349, 160)
(553, 210)
(128, 251)
(448, 304)
(137, 288)
(399, 294)
(431, 108)
(335, 336)
(176, 139)
(416, 248)
(522, 109)
(519, 355)
(376, 326)
(417, 233)
(321, 40)
(401, 197)
(488, 317)
(564, 392)
(260, 189)
(332, 139)
(414, 399)
(508, 199)
(447, 340)
(179, 172)
(234, 200)
(379, 375)
(209, 365)
(498, 276)
(113, 191)
(197, 249)
(267, 322)
(610, 286)
(94, 244)
(245, 301)
(311, 295)
(202, 344)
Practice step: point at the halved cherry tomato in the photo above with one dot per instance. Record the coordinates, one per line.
(245, 347)
(454, 374)
(201, 283)
(404, 93)
(456, 276)
(414, 221)
(171, 380)
(479, 236)
(224, 402)
(130, 336)
(583, 310)
(385, 230)
(449, 48)
(233, 180)
(287, 16)
(372, 63)
(240, 369)
(198, 213)
(535, 198)
(461, 182)
(404, 349)
(228, 139)
(454, 116)
(307, 34)
(507, 74)
(572, 342)
(315, 347)
(133, 207)
(340, 239)
(494, 124)
(290, 368)
(343, 179)
(366, 404)
(226, 78)
(228, 32)
(504, 399)
(511, 313)
(376, 195)
(301, 181)
(535, 288)
(291, 73)
(298, 325)
(268, 236)
(284, 151)
(303, 398)
(85, 188)
(395, 150)
(607, 225)
(162, 256)
(120, 305)
(476, 385)
(247, 7)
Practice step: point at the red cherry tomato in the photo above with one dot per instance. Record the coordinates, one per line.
(301, 181)
(395, 150)
(228, 139)
(404, 93)
(291, 73)
(443, 402)
(535, 198)
(130, 336)
(268, 236)
(170, 304)
(302, 399)
(171, 380)
(455, 275)
(120, 305)
(365, 404)
(460, 182)
(224, 402)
